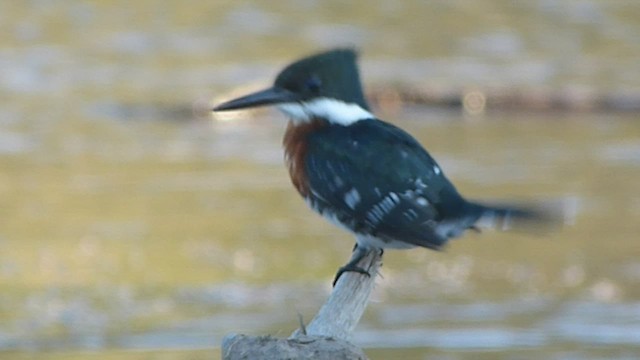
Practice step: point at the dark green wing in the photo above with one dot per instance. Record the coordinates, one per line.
(376, 179)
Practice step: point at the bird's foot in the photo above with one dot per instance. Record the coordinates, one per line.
(349, 268)
(358, 254)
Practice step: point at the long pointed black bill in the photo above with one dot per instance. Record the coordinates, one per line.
(268, 96)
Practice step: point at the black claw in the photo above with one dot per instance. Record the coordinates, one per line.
(348, 268)
(358, 254)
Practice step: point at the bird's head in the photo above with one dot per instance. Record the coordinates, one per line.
(325, 85)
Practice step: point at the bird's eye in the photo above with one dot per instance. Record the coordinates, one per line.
(313, 84)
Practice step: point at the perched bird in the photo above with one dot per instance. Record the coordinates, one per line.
(362, 173)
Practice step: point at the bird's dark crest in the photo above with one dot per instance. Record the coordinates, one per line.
(332, 74)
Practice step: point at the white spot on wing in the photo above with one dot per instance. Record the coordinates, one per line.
(422, 201)
(436, 169)
(384, 207)
(420, 184)
(352, 198)
(410, 214)
(335, 111)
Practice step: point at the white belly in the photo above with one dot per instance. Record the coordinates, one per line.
(369, 242)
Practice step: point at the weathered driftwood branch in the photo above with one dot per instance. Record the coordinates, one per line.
(327, 335)
(236, 347)
(341, 313)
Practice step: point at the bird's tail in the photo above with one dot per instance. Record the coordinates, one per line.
(530, 218)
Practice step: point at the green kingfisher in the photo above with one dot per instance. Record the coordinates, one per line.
(362, 173)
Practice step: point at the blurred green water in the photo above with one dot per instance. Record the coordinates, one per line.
(131, 227)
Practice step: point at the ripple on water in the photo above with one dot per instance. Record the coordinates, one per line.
(12, 143)
(464, 326)
(623, 153)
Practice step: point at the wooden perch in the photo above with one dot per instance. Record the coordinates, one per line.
(341, 313)
(327, 335)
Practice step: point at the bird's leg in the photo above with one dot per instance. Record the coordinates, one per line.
(358, 254)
